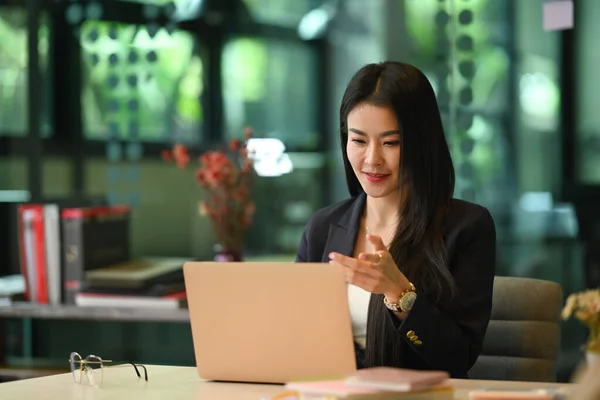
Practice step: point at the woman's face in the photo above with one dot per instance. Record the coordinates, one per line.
(373, 149)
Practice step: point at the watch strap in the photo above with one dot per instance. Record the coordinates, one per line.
(405, 300)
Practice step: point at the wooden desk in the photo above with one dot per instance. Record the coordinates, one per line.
(179, 383)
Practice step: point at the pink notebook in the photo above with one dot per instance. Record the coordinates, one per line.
(339, 389)
(396, 379)
(332, 387)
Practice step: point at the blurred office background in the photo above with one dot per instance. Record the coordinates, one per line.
(92, 91)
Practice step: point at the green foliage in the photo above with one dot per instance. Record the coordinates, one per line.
(13, 70)
(280, 12)
(491, 61)
(162, 74)
(245, 67)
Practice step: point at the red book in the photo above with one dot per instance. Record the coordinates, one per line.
(38, 253)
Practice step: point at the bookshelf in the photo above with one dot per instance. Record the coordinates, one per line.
(37, 311)
(31, 363)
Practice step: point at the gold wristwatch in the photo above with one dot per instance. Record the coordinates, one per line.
(405, 301)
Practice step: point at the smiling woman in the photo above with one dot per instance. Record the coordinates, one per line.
(373, 149)
(419, 263)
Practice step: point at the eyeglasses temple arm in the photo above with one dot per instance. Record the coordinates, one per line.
(136, 370)
(145, 373)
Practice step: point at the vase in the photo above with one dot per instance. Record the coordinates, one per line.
(223, 254)
(592, 357)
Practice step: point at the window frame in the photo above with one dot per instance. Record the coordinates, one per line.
(218, 21)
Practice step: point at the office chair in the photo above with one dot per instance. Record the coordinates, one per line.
(523, 337)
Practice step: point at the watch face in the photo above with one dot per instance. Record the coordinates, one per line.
(407, 301)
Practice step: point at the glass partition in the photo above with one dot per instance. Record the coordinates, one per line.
(141, 81)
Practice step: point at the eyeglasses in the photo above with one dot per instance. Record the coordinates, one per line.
(93, 367)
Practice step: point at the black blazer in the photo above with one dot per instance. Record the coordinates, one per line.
(451, 333)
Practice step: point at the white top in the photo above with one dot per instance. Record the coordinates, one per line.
(358, 300)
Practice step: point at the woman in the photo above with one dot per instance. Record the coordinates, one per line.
(419, 263)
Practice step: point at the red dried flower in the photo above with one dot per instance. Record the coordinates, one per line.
(234, 144)
(181, 155)
(226, 176)
(166, 155)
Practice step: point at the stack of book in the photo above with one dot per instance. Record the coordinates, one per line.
(58, 242)
(145, 283)
(379, 383)
(80, 255)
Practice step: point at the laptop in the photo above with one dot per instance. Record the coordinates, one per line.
(269, 322)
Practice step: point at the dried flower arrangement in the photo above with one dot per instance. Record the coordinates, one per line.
(585, 306)
(226, 176)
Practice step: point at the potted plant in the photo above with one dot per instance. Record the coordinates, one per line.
(585, 306)
(226, 176)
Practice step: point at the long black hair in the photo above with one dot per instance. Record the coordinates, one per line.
(427, 174)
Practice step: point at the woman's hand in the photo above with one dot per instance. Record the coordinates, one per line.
(374, 272)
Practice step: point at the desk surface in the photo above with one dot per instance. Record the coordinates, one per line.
(180, 383)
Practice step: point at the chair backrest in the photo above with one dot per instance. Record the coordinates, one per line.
(523, 337)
